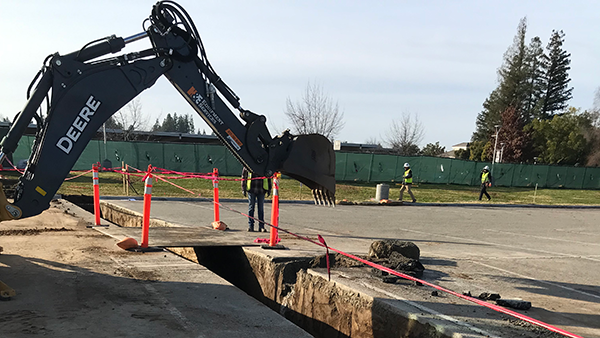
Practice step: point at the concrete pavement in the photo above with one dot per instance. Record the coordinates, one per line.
(72, 281)
(550, 257)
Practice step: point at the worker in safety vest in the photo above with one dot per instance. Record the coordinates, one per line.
(407, 182)
(256, 190)
(486, 181)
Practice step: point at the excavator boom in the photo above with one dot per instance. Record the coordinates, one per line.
(86, 87)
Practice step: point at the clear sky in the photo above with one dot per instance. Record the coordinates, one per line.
(378, 59)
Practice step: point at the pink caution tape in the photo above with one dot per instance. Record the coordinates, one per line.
(371, 264)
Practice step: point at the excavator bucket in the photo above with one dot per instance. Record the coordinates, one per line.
(311, 161)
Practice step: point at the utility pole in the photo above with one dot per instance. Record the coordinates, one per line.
(501, 151)
(495, 146)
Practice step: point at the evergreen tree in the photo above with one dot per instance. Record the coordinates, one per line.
(112, 123)
(556, 66)
(489, 117)
(175, 123)
(535, 82)
(561, 140)
(476, 150)
(432, 149)
(515, 73)
(514, 88)
(462, 154)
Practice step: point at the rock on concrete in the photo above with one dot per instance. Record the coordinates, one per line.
(489, 296)
(383, 249)
(514, 303)
(397, 255)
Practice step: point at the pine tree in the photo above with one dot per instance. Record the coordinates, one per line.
(514, 73)
(489, 117)
(433, 149)
(513, 89)
(112, 123)
(556, 67)
(175, 123)
(535, 82)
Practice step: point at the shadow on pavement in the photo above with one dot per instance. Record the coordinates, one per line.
(231, 263)
(545, 287)
(63, 300)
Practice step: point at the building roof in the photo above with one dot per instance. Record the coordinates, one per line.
(117, 135)
(448, 154)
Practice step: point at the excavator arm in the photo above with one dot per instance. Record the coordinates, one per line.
(85, 88)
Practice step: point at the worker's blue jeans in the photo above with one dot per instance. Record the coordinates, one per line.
(252, 200)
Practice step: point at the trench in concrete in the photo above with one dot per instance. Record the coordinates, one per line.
(290, 287)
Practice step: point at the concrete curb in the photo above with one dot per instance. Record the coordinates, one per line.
(201, 199)
(478, 205)
(393, 203)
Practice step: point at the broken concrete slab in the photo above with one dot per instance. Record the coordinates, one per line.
(489, 296)
(518, 304)
(384, 248)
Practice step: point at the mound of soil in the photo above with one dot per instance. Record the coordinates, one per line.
(384, 248)
(335, 261)
(396, 255)
(30, 232)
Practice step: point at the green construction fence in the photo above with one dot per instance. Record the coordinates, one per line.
(197, 158)
(354, 167)
(390, 168)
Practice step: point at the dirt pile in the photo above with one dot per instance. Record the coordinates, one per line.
(335, 261)
(397, 255)
(30, 232)
(384, 248)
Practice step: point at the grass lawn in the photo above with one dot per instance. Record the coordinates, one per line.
(111, 184)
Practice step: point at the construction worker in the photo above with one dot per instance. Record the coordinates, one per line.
(256, 190)
(486, 181)
(407, 182)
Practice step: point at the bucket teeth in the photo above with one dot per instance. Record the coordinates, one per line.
(330, 198)
(322, 196)
(317, 196)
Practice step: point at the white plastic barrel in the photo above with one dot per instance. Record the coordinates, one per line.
(383, 192)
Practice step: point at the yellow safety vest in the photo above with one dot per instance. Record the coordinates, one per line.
(407, 180)
(248, 182)
(484, 177)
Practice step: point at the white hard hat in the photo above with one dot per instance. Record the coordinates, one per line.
(406, 165)
(486, 168)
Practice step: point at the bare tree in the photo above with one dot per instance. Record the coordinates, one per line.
(374, 141)
(315, 112)
(595, 111)
(405, 135)
(593, 134)
(131, 119)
